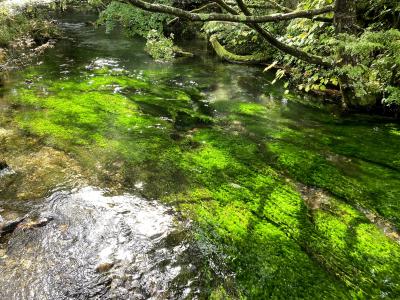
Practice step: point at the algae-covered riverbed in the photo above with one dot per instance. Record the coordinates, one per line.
(194, 179)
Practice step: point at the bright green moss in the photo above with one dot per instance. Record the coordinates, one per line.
(268, 263)
(234, 176)
(259, 218)
(395, 132)
(352, 180)
(367, 258)
(211, 159)
(240, 189)
(325, 222)
(76, 118)
(341, 156)
(220, 294)
(249, 109)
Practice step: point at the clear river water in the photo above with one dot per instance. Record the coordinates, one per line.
(135, 179)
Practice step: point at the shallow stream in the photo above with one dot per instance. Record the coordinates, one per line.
(189, 180)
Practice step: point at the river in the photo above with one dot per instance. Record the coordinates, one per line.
(194, 179)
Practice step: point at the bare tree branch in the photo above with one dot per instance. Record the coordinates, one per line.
(160, 8)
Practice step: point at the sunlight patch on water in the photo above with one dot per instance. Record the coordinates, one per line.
(99, 246)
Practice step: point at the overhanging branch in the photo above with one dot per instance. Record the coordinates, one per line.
(202, 8)
(256, 58)
(313, 59)
(269, 5)
(202, 17)
(234, 15)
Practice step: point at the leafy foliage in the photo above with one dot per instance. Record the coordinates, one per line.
(380, 13)
(134, 20)
(236, 38)
(374, 63)
(27, 24)
(159, 46)
(367, 65)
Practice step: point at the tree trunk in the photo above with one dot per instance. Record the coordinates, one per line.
(345, 22)
(345, 16)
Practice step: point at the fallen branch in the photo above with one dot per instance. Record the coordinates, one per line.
(257, 58)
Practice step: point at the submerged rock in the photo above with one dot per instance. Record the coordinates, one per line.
(3, 165)
(9, 227)
(5, 169)
(35, 172)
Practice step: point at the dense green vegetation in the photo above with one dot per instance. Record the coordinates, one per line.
(23, 35)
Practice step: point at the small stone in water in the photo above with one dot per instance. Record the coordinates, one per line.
(3, 165)
(36, 224)
(104, 267)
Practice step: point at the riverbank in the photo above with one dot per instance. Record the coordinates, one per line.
(25, 32)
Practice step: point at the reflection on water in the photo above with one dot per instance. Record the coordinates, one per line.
(118, 247)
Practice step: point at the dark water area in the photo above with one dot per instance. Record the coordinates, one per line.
(194, 179)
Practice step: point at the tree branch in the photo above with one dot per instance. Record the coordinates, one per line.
(202, 8)
(313, 59)
(272, 5)
(160, 8)
(256, 58)
(279, 6)
(226, 7)
(234, 15)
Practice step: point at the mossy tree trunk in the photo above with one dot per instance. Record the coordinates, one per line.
(257, 58)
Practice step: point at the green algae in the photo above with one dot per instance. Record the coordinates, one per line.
(233, 172)
(251, 208)
(338, 155)
(357, 250)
